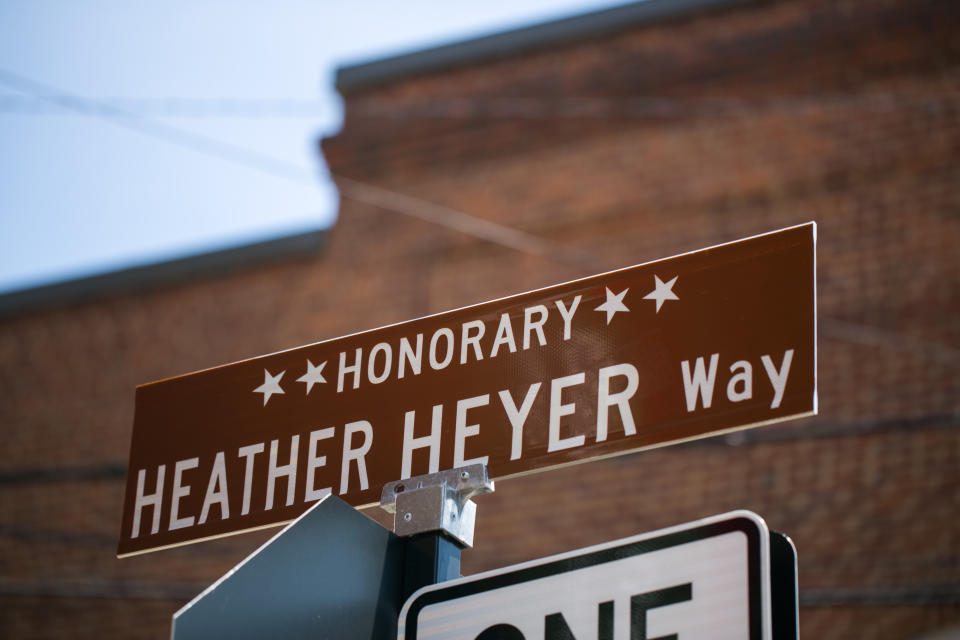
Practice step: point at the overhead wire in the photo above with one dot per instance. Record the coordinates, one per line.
(414, 207)
(172, 107)
(197, 142)
(453, 108)
(464, 222)
(259, 161)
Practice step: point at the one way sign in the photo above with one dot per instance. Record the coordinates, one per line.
(709, 579)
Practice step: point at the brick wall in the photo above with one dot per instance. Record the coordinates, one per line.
(660, 139)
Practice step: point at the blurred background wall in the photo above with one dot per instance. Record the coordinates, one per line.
(598, 142)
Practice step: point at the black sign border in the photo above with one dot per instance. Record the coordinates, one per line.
(742, 523)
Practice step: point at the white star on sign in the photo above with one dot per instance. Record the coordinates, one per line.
(613, 303)
(662, 292)
(270, 386)
(314, 375)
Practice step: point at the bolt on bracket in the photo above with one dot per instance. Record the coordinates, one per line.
(437, 502)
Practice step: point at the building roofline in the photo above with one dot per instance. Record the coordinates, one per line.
(149, 277)
(363, 75)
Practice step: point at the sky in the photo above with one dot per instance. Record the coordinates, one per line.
(137, 132)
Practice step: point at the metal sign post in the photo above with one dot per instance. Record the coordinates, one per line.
(436, 515)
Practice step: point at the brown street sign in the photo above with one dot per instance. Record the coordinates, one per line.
(686, 347)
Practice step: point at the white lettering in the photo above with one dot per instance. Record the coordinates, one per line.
(530, 325)
(463, 430)
(353, 368)
(216, 490)
(504, 336)
(179, 491)
(558, 410)
(778, 378)
(605, 399)
(152, 500)
(411, 443)
(434, 361)
(411, 356)
(288, 471)
(357, 455)
(314, 462)
(567, 315)
(387, 351)
(249, 452)
(744, 377)
(518, 417)
(700, 384)
(467, 340)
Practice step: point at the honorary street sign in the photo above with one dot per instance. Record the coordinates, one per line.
(706, 580)
(682, 348)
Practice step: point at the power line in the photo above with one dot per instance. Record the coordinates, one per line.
(200, 143)
(465, 223)
(413, 207)
(255, 160)
(493, 108)
(170, 107)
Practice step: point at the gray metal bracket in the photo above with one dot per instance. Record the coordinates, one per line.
(437, 502)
